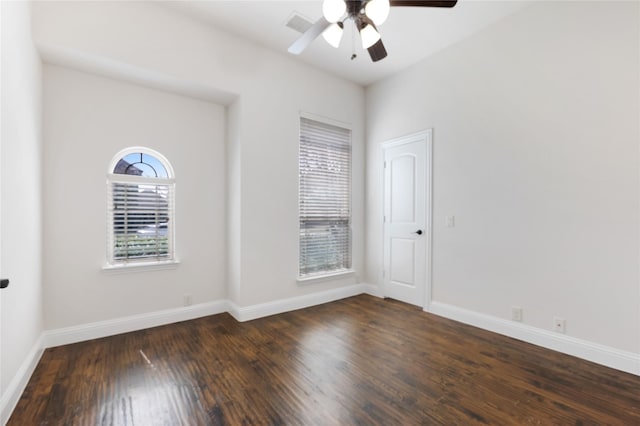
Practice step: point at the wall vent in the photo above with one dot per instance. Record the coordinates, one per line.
(298, 22)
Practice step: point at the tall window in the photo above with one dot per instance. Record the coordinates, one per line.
(140, 199)
(325, 198)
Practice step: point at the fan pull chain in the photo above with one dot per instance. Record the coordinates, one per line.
(353, 45)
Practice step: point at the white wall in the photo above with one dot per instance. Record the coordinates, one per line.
(536, 132)
(87, 120)
(262, 139)
(20, 198)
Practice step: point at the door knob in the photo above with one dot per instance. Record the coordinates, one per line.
(419, 232)
(4, 283)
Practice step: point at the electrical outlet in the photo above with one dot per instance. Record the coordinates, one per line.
(516, 313)
(450, 221)
(187, 301)
(558, 324)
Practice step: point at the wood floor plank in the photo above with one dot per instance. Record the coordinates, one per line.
(360, 360)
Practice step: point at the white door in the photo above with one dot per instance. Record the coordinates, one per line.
(3, 283)
(407, 230)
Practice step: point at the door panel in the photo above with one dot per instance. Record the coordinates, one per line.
(402, 261)
(403, 182)
(406, 223)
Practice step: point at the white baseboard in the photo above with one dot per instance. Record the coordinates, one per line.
(96, 330)
(248, 313)
(600, 354)
(12, 394)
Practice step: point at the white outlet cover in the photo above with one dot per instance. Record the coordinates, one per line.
(516, 313)
(187, 300)
(559, 324)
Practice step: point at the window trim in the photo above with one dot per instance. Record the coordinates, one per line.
(145, 264)
(325, 120)
(337, 273)
(329, 276)
(142, 266)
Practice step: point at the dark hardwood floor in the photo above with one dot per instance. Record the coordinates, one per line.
(356, 361)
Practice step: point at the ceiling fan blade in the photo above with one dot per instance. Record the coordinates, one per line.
(377, 51)
(307, 38)
(424, 3)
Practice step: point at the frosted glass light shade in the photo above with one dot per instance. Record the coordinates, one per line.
(333, 34)
(377, 11)
(369, 36)
(333, 10)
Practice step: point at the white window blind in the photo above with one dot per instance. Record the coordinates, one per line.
(325, 198)
(140, 206)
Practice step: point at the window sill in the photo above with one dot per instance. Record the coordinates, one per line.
(326, 277)
(124, 268)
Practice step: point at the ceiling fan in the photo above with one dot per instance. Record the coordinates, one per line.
(367, 15)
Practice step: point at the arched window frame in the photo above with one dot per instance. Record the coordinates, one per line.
(115, 260)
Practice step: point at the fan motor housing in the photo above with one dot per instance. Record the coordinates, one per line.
(354, 8)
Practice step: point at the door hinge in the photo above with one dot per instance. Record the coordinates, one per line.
(385, 164)
(384, 219)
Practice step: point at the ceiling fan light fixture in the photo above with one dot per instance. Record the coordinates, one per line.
(369, 36)
(377, 11)
(333, 10)
(333, 34)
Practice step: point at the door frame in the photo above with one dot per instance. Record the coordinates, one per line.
(425, 136)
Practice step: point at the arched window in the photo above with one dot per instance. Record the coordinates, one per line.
(140, 202)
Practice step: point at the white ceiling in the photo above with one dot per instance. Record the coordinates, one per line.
(410, 33)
